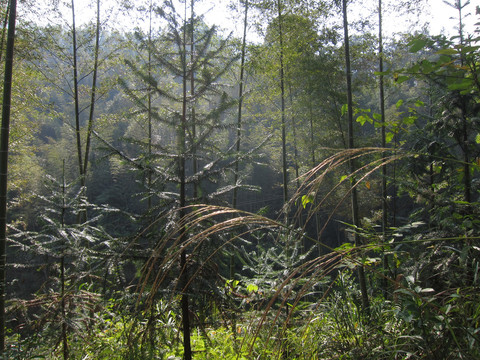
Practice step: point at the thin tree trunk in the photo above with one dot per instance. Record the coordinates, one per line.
(183, 255)
(93, 92)
(4, 138)
(4, 31)
(239, 125)
(149, 110)
(283, 125)
(76, 98)
(62, 272)
(240, 104)
(192, 94)
(384, 144)
(351, 145)
(295, 149)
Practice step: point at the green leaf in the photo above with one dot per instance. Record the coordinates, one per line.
(444, 60)
(419, 103)
(447, 52)
(463, 85)
(343, 178)
(399, 103)
(362, 119)
(409, 120)
(344, 109)
(306, 199)
(377, 116)
(252, 288)
(389, 137)
(427, 67)
(417, 45)
(477, 138)
(402, 79)
(345, 247)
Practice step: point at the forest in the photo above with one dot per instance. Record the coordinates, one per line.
(302, 183)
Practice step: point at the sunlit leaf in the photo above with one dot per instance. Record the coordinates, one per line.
(389, 137)
(306, 199)
(417, 45)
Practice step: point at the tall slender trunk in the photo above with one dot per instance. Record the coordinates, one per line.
(183, 255)
(62, 272)
(93, 95)
(384, 144)
(192, 94)
(4, 30)
(4, 138)
(282, 99)
(82, 214)
(240, 105)
(294, 133)
(239, 124)
(351, 145)
(76, 97)
(149, 110)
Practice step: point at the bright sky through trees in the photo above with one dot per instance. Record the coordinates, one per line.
(440, 17)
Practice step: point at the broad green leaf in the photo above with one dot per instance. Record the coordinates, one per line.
(447, 52)
(427, 67)
(399, 103)
(377, 116)
(306, 199)
(402, 79)
(389, 137)
(382, 72)
(419, 103)
(444, 60)
(343, 178)
(477, 138)
(417, 45)
(362, 119)
(344, 109)
(252, 288)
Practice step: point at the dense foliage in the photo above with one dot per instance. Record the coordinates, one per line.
(174, 192)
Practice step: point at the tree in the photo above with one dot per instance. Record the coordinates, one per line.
(351, 145)
(191, 110)
(4, 138)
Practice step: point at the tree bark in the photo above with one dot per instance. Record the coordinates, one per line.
(93, 93)
(384, 144)
(183, 255)
(351, 145)
(282, 100)
(76, 98)
(240, 105)
(4, 138)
